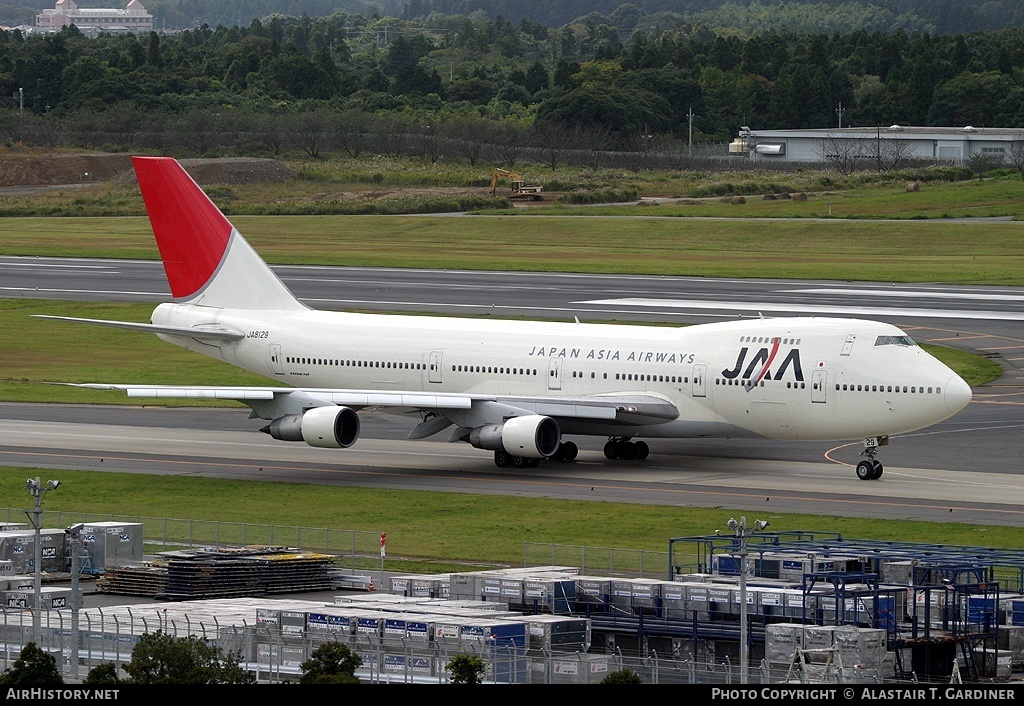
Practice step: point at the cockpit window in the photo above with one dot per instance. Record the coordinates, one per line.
(895, 341)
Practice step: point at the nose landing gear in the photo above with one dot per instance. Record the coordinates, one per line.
(871, 469)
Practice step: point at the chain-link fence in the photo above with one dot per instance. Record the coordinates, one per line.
(606, 561)
(274, 650)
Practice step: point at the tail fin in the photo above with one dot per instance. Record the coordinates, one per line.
(206, 260)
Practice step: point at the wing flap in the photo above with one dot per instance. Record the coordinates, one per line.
(188, 391)
(631, 408)
(347, 398)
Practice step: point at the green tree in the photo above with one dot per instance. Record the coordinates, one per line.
(331, 663)
(970, 99)
(537, 78)
(626, 110)
(34, 667)
(102, 674)
(622, 676)
(153, 55)
(466, 669)
(159, 658)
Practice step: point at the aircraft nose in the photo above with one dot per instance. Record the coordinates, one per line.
(958, 394)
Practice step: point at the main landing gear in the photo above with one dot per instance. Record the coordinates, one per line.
(871, 469)
(617, 447)
(566, 452)
(622, 447)
(503, 459)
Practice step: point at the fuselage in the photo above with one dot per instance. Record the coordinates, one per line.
(787, 378)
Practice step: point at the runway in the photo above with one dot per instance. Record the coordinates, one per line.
(766, 477)
(964, 470)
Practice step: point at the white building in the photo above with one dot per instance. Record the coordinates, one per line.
(133, 18)
(939, 144)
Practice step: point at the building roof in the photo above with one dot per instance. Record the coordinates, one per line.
(914, 131)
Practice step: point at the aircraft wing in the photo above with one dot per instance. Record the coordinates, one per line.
(467, 408)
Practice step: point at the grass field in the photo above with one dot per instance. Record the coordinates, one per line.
(987, 252)
(832, 235)
(449, 527)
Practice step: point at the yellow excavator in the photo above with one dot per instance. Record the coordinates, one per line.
(520, 191)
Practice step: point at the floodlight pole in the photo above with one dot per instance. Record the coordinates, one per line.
(741, 532)
(36, 489)
(740, 528)
(75, 535)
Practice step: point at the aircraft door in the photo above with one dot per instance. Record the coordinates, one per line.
(819, 380)
(276, 362)
(700, 373)
(434, 367)
(554, 373)
(848, 344)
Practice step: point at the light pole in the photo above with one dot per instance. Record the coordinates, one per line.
(74, 533)
(740, 529)
(36, 489)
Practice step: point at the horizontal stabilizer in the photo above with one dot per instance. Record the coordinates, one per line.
(218, 334)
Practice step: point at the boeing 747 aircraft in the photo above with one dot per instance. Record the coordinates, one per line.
(519, 388)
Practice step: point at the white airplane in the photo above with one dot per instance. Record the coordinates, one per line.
(518, 387)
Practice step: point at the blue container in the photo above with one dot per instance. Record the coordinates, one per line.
(981, 611)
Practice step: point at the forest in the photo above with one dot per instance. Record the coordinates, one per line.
(455, 79)
(743, 16)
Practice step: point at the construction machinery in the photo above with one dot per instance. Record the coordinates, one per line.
(520, 190)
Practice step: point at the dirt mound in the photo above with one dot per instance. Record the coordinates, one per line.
(35, 170)
(49, 170)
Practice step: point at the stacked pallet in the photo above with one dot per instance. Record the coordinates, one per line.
(222, 573)
(147, 579)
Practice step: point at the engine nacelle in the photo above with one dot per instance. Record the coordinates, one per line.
(530, 436)
(325, 427)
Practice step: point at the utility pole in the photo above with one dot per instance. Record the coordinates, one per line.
(20, 97)
(839, 111)
(689, 140)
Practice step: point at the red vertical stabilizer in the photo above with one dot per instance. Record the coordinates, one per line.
(190, 230)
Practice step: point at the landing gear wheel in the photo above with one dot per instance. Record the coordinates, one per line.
(626, 450)
(567, 452)
(877, 470)
(866, 470)
(520, 462)
(502, 459)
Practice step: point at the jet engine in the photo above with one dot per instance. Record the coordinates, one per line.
(326, 427)
(530, 436)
